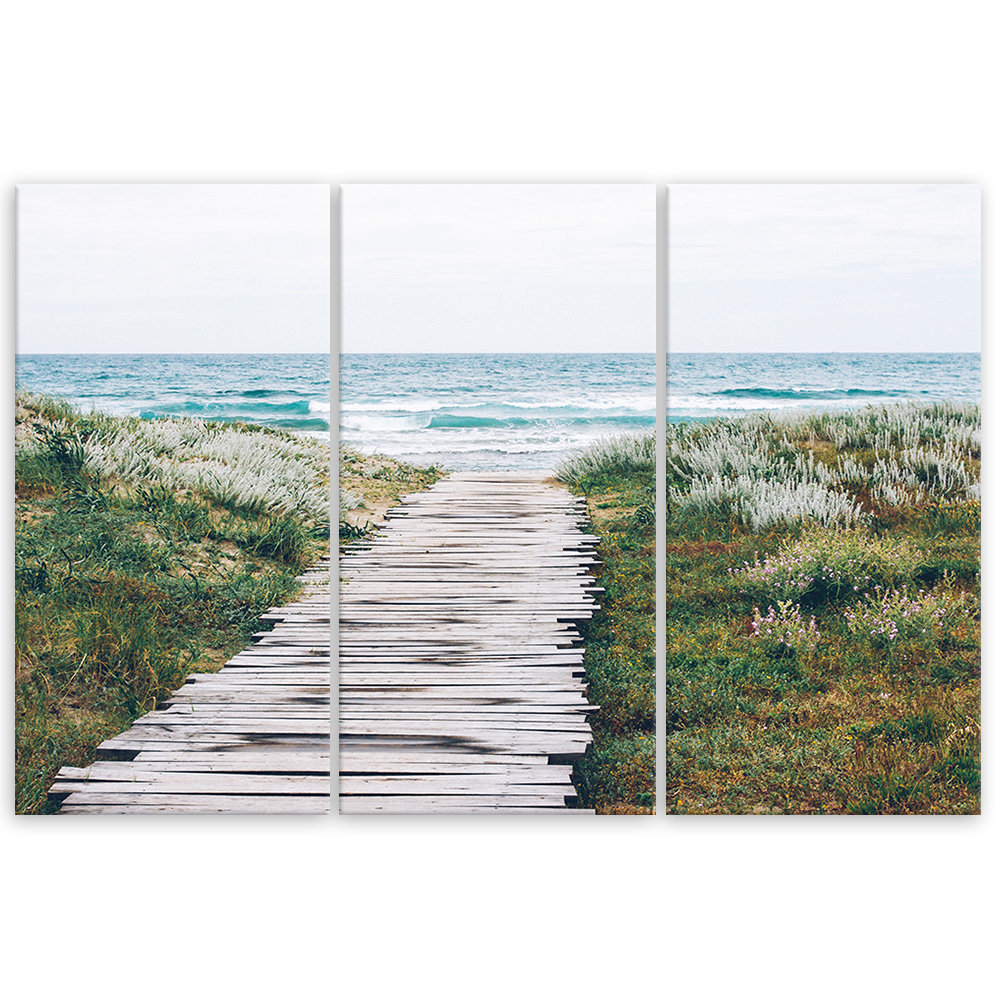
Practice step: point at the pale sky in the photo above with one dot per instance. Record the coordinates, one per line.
(173, 268)
(828, 267)
(498, 267)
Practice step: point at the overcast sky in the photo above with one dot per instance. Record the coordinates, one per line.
(840, 267)
(499, 267)
(173, 268)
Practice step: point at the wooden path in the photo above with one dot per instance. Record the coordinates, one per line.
(460, 669)
(252, 738)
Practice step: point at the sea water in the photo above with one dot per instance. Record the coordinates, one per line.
(290, 391)
(492, 411)
(702, 386)
(495, 411)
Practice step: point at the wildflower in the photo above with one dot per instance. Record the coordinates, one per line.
(787, 628)
(892, 615)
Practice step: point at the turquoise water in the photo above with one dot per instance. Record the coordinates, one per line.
(702, 386)
(489, 411)
(291, 391)
(492, 411)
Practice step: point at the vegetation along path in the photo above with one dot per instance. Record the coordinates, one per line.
(252, 738)
(461, 683)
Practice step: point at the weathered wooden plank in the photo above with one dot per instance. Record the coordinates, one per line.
(197, 782)
(441, 804)
(459, 660)
(460, 783)
(313, 761)
(465, 766)
(99, 801)
(128, 747)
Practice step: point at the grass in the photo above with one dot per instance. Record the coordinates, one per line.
(617, 477)
(371, 484)
(820, 661)
(132, 572)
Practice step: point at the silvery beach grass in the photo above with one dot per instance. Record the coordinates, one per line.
(617, 475)
(144, 550)
(823, 620)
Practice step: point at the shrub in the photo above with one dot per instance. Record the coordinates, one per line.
(783, 631)
(890, 617)
(827, 563)
(615, 455)
(761, 503)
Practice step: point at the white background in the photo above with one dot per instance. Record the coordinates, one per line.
(515, 91)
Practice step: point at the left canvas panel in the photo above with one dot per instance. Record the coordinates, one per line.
(172, 467)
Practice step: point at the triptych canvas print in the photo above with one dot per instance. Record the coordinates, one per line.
(509, 474)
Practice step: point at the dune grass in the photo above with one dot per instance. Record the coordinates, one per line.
(823, 636)
(617, 477)
(144, 550)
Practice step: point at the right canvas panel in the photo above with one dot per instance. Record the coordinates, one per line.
(823, 485)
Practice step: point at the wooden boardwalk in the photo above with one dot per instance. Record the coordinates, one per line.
(252, 738)
(461, 684)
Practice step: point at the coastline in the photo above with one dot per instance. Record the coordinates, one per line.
(281, 391)
(492, 411)
(145, 550)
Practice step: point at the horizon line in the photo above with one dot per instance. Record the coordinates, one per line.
(471, 353)
(152, 354)
(669, 353)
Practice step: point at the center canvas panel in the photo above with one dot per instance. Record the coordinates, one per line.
(496, 501)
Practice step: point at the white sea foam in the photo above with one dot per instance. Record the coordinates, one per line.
(381, 422)
(492, 411)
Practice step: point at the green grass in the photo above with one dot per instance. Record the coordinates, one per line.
(124, 584)
(875, 709)
(617, 477)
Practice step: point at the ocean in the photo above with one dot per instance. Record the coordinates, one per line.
(488, 411)
(291, 391)
(702, 386)
(492, 411)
